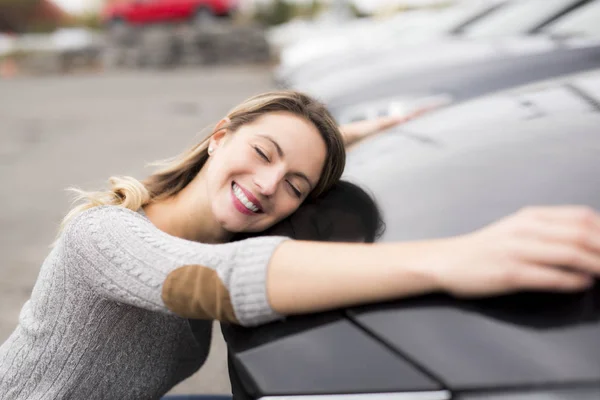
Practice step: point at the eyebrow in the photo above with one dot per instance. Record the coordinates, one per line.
(277, 146)
(282, 155)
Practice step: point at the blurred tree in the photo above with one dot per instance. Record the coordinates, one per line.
(88, 20)
(278, 12)
(14, 14)
(30, 15)
(316, 7)
(310, 9)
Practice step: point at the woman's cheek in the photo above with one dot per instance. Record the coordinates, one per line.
(288, 209)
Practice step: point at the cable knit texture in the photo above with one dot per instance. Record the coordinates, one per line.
(96, 327)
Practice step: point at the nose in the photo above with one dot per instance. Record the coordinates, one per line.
(267, 180)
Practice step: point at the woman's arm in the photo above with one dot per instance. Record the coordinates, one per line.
(354, 132)
(520, 252)
(312, 276)
(122, 256)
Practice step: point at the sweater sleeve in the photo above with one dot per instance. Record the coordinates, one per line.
(123, 257)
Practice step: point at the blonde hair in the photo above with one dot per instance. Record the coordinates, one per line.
(176, 173)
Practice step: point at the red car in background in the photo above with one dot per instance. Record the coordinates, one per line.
(140, 12)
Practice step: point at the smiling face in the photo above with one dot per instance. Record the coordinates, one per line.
(261, 173)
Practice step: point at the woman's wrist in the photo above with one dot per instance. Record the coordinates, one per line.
(353, 132)
(423, 263)
(349, 135)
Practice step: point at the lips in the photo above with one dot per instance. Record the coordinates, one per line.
(244, 200)
(250, 197)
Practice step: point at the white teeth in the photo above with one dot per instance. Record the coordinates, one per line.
(243, 199)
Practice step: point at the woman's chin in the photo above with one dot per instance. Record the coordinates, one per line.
(246, 228)
(235, 222)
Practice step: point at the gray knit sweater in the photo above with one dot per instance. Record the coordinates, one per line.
(97, 326)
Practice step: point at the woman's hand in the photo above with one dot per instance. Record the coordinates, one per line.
(356, 131)
(542, 248)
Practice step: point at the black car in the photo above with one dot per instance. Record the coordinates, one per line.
(435, 177)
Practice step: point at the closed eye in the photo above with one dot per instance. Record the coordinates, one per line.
(296, 191)
(261, 154)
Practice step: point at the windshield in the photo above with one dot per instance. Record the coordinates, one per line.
(516, 18)
(584, 21)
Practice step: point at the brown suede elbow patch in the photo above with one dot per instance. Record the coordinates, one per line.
(195, 291)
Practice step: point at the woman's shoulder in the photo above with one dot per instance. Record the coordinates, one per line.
(109, 212)
(105, 217)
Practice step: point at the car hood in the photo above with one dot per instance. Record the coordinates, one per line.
(466, 81)
(452, 183)
(571, 94)
(330, 79)
(319, 354)
(516, 341)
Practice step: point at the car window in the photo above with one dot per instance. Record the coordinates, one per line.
(516, 18)
(584, 21)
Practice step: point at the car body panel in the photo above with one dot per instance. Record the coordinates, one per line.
(415, 59)
(520, 341)
(578, 393)
(329, 358)
(440, 50)
(436, 181)
(464, 82)
(571, 94)
(436, 395)
(531, 15)
(451, 180)
(409, 27)
(464, 79)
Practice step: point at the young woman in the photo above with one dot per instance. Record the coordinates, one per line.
(107, 318)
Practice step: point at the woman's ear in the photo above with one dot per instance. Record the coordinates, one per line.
(220, 132)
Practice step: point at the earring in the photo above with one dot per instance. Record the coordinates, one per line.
(210, 151)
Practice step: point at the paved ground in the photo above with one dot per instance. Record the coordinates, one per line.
(77, 131)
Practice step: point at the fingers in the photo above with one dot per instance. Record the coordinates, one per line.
(577, 231)
(542, 248)
(564, 236)
(553, 279)
(572, 235)
(583, 216)
(543, 253)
